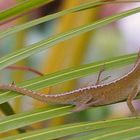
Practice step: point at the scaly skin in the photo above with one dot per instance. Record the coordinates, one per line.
(126, 87)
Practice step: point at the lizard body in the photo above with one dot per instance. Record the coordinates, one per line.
(126, 87)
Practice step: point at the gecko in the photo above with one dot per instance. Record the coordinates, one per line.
(124, 88)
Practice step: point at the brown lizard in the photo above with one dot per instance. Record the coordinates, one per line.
(126, 87)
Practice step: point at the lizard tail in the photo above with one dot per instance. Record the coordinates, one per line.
(50, 99)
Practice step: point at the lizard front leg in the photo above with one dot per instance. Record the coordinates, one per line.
(130, 98)
(99, 76)
(99, 80)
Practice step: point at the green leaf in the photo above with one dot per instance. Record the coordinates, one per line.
(22, 8)
(32, 23)
(30, 117)
(98, 133)
(70, 129)
(8, 110)
(68, 74)
(125, 134)
(46, 43)
(48, 18)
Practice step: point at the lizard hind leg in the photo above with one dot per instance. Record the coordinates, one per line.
(90, 103)
(79, 108)
(130, 98)
(82, 105)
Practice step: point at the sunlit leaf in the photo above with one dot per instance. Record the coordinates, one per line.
(65, 130)
(46, 43)
(21, 8)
